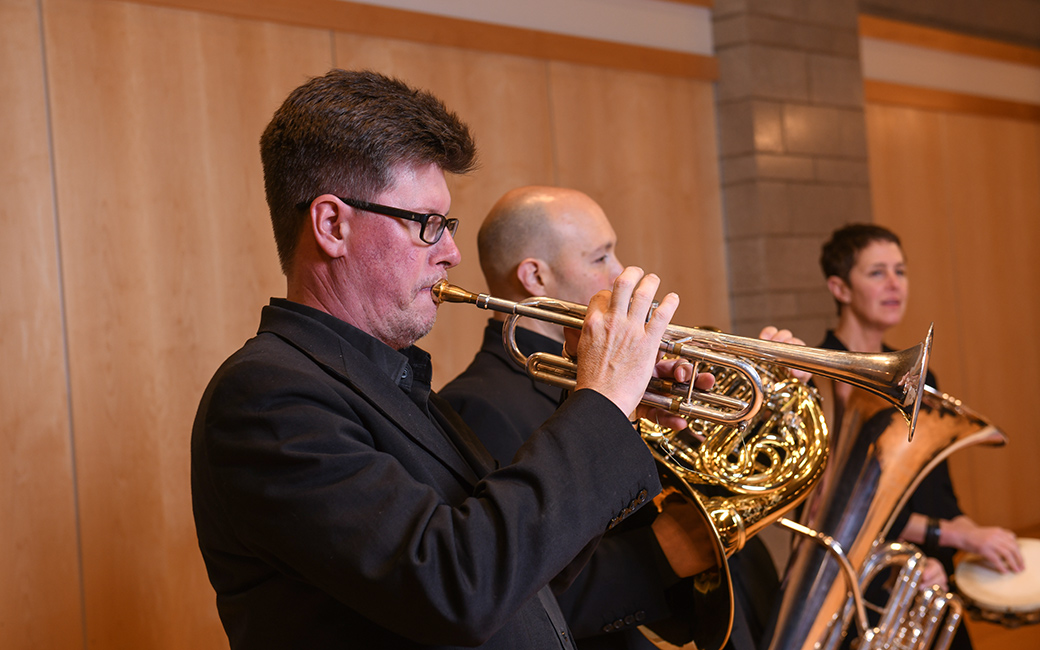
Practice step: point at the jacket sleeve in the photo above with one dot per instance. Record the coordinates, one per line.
(626, 579)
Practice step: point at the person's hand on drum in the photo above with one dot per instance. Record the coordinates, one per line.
(997, 546)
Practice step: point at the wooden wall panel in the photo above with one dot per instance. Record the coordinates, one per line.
(168, 257)
(40, 604)
(994, 189)
(644, 147)
(908, 172)
(963, 192)
(504, 100)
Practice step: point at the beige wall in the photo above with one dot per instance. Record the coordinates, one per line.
(136, 253)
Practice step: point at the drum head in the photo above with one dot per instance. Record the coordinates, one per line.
(1002, 592)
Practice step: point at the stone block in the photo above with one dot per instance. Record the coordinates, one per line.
(756, 208)
(756, 314)
(772, 263)
(789, 264)
(767, 120)
(823, 208)
(762, 72)
(785, 167)
(844, 171)
(797, 35)
(774, 206)
(730, 30)
(832, 13)
(725, 8)
(764, 304)
(749, 126)
(835, 80)
(741, 216)
(736, 128)
(744, 168)
(736, 81)
(746, 307)
(739, 169)
(779, 73)
(746, 264)
(825, 131)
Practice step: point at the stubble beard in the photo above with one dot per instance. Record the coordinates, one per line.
(409, 329)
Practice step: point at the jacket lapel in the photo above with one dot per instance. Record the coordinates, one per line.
(354, 369)
(494, 345)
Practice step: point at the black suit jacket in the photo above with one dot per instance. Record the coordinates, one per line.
(335, 510)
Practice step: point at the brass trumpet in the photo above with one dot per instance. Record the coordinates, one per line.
(897, 377)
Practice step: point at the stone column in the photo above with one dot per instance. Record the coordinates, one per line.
(792, 142)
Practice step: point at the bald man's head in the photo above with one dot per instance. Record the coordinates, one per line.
(540, 240)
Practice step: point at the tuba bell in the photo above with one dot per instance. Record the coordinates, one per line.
(870, 476)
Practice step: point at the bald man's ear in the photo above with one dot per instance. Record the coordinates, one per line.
(839, 289)
(535, 277)
(329, 225)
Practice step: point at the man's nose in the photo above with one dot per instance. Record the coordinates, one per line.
(447, 252)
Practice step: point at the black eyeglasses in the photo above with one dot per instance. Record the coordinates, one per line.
(433, 224)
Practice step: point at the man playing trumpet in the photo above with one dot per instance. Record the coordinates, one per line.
(338, 501)
(557, 242)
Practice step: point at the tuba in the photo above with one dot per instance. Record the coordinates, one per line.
(765, 440)
(870, 476)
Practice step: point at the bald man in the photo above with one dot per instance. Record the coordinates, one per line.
(550, 241)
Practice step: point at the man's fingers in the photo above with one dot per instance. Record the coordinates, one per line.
(624, 288)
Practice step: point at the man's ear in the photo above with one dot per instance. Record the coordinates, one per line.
(839, 289)
(329, 225)
(535, 277)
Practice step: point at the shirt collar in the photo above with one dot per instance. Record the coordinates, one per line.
(410, 369)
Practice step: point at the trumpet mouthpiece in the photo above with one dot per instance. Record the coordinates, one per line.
(443, 291)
